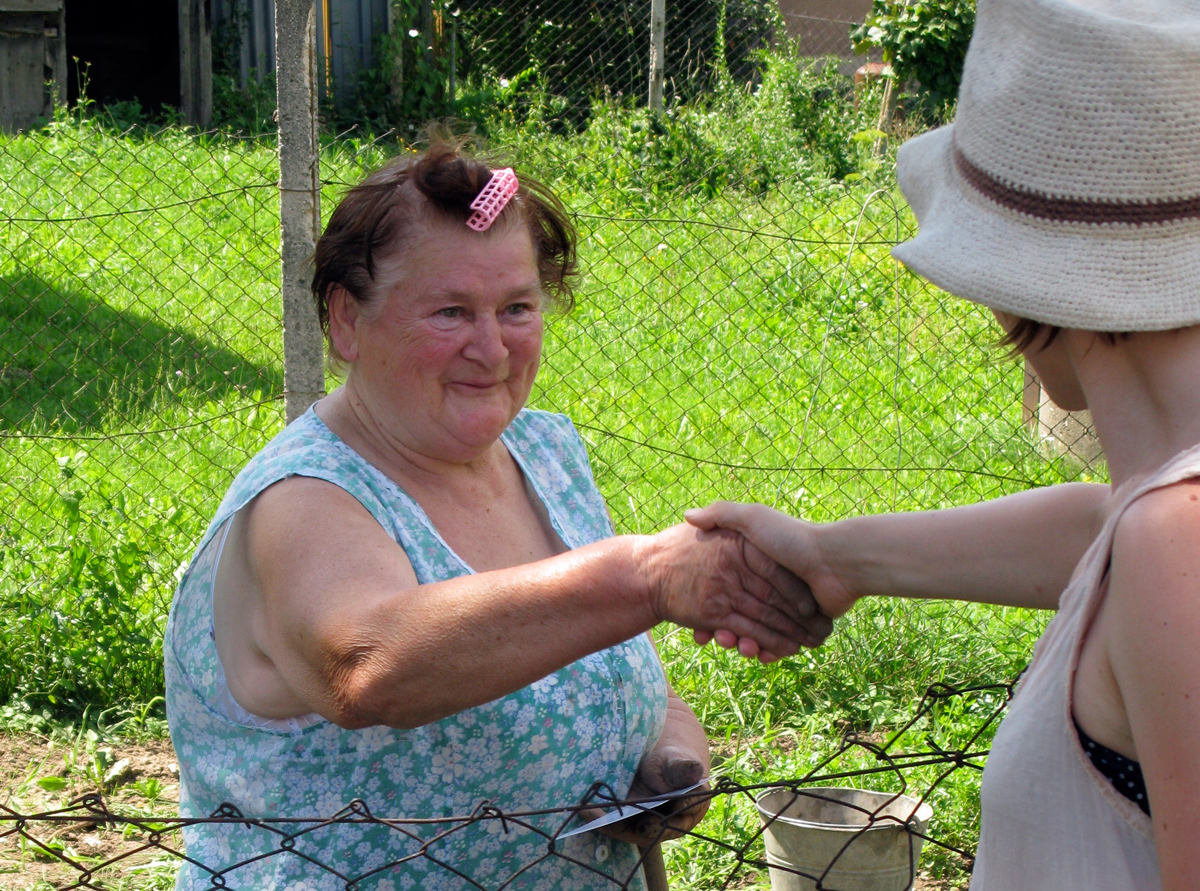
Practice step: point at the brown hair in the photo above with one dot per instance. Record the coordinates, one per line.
(377, 219)
(1027, 332)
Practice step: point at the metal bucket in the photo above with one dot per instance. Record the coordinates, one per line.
(864, 835)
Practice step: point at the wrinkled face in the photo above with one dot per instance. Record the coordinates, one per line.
(447, 356)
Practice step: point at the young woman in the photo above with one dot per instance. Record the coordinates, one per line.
(1066, 198)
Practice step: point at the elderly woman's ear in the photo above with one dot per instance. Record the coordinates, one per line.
(344, 314)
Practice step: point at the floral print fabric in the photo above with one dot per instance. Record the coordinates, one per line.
(541, 747)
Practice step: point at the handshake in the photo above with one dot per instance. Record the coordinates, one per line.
(746, 576)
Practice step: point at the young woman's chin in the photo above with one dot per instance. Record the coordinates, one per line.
(1068, 399)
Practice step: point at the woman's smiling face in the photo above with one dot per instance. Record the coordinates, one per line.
(448, 354)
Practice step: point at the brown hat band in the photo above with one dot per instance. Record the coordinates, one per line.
(1074, 210)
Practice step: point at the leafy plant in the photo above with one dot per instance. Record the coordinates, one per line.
(925, 41)
(247, 110)
(52, 784)
(821, 112)
(150, 788)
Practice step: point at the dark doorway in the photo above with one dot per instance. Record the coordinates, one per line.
(129, 50)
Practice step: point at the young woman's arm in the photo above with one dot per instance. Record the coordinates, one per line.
(1153, 646)
(1016, 551)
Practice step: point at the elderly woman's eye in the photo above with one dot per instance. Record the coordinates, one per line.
(450, 312)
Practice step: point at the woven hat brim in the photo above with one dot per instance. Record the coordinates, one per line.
(1110, 277)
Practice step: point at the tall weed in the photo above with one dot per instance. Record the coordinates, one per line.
(85, 605)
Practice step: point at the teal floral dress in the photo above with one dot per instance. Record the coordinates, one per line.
(541, 747)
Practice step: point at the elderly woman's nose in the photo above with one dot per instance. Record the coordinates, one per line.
(487, 340)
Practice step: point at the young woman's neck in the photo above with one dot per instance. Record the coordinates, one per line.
(1144, 395)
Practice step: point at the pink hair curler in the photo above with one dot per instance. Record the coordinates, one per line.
(493, 198)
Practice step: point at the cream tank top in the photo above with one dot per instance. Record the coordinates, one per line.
(1050, 819)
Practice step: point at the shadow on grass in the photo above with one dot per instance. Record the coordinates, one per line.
(69, 362)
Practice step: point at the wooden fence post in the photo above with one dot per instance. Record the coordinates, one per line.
(32, 51)
(299, 200)
(658, 22)
(195, 62)
(453, 56)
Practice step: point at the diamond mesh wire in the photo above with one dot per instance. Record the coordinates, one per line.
(115, 836)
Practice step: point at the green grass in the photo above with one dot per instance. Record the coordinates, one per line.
(739, 335)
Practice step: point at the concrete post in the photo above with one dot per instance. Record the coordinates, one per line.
(299, 200)
(658, 27)
(1031, 398)
(1069, 433)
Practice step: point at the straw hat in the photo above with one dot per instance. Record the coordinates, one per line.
(1068, 188)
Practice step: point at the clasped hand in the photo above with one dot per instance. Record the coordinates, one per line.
(715, 580)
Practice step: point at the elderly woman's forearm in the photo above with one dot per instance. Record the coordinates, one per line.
(347, 626)
(410, 657)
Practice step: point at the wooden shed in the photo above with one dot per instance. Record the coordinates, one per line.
(155, 51)
(346, 30)
(823, 26)
(33, 61)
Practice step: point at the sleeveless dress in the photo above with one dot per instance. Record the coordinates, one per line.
(1050, 818)
(541, 747)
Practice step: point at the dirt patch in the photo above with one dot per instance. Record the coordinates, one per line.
(65, 785)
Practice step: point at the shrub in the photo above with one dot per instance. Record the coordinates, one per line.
(821, 114)
(925, 41)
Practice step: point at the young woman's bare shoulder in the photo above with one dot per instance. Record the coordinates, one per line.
(1168, 511)
(1157, 542)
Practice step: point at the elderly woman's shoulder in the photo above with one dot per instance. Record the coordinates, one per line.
(304, 441)
(306, 447)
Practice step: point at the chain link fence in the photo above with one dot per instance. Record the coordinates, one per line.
(741, 333)
(119, 840)
(582, 51)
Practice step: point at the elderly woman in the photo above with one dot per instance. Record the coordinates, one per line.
(413, 596)
(1065, 197)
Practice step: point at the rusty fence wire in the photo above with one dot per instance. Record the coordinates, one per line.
(93, 841)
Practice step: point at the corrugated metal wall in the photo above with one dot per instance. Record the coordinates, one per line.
(353, 25)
